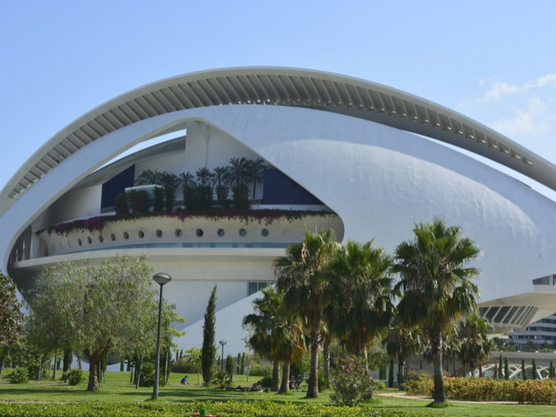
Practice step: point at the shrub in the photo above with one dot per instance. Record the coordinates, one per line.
(260, 370)
(19, 376)
(419, 383)
(120, 204)
(222, 379)
(73, 376)
(323, 381)
(266, 381)
(147, 375)
(351, 385)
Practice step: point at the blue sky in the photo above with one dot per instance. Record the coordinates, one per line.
(494, 61)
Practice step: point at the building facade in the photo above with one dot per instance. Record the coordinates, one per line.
(363, 159)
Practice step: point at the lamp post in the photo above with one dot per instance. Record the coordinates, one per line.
(161, 278)
(222, 342)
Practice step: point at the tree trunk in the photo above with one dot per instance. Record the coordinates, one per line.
(55, 363)
(285, 385)
(2, 359)
(275, 376)
(326, 357)
(480, 369)
(93, 374)
(166, 367)
(400, 373)
(436, 345)
(313, 389)
(138, 371)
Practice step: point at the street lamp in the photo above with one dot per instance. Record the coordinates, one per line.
(161, 278)
(222, 342)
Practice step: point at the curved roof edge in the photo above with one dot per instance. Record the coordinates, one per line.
(283, 87)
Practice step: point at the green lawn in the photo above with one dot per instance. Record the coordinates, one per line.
(117, 389)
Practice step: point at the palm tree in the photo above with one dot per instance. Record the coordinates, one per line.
(401, 343)
(186, 181)
(435, 285)
(204, 176)
(254, 169)
(149, 177)
(362, 290)
(220, 179)
(277, 335)
(169, 180)
(237, 171)
(475, 345)
(302, 277)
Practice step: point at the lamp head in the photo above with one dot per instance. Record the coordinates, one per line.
(162, 278)
(222, 342)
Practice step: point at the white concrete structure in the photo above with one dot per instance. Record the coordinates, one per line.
(371, 154)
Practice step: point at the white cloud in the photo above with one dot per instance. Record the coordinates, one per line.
(499, 89)
(535, 119)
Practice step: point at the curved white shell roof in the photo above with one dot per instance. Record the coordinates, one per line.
(284, 87)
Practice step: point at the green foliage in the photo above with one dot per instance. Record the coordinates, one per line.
(169, 198)
(222, 379)
(68, 359)
(351, 383)
(95, 309)
(158, 203)
(534, 370)
(266, 381)
(240, 197)
(419, 383)
(198, 197)
(73, 376)
(165, 409)
(139, 200)
(120, 204)
(19, 376)
(146, 378)
(259, 370)
(506, 369)
(11, 317)
(208, 354)
(391, 374)
(230, 366)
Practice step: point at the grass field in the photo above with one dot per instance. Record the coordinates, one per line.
(117, 389)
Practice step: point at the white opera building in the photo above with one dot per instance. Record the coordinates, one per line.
(366, 160)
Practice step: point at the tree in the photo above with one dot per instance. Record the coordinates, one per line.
(204, 176)
(361, 288)
(237, 171)
(435, 285)
(401, 343)
(475, 346)
(220, 180)
(208, 354)
(149, 177)
(108, 308)
(303, 276)
(254, 169)
(11, 318)
(276, 335)
(187, 180)
(193, 360)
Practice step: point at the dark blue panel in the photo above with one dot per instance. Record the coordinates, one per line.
(116, 185)
(280, 189)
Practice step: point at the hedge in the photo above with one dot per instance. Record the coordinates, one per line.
(160, 409)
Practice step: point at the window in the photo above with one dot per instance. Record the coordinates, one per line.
(253, 287)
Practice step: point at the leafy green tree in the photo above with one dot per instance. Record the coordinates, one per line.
(475, 346)
(230, 367)
(193, 360)
(101, 309)
(204, 176)
(11, 318)
(436, 285)
(208, 355)
(506, 369)
(254, 169)
(169, 180)
(360, 292)
(303, 276)
(187, 180)
(240, 197)
(220, 181)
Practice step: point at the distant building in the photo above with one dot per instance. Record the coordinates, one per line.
(366, 160)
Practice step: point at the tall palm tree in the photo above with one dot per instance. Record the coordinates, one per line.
(436, 286)
(237, 171)
(362, 294)
(303, 276)
(187, 180)
(220, 179)
(277, 335)
(254, 169)
(204, 176)
(169, 180)
(475, 346)
(149, 177)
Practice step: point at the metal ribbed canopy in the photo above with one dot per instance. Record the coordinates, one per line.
(282, 87)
